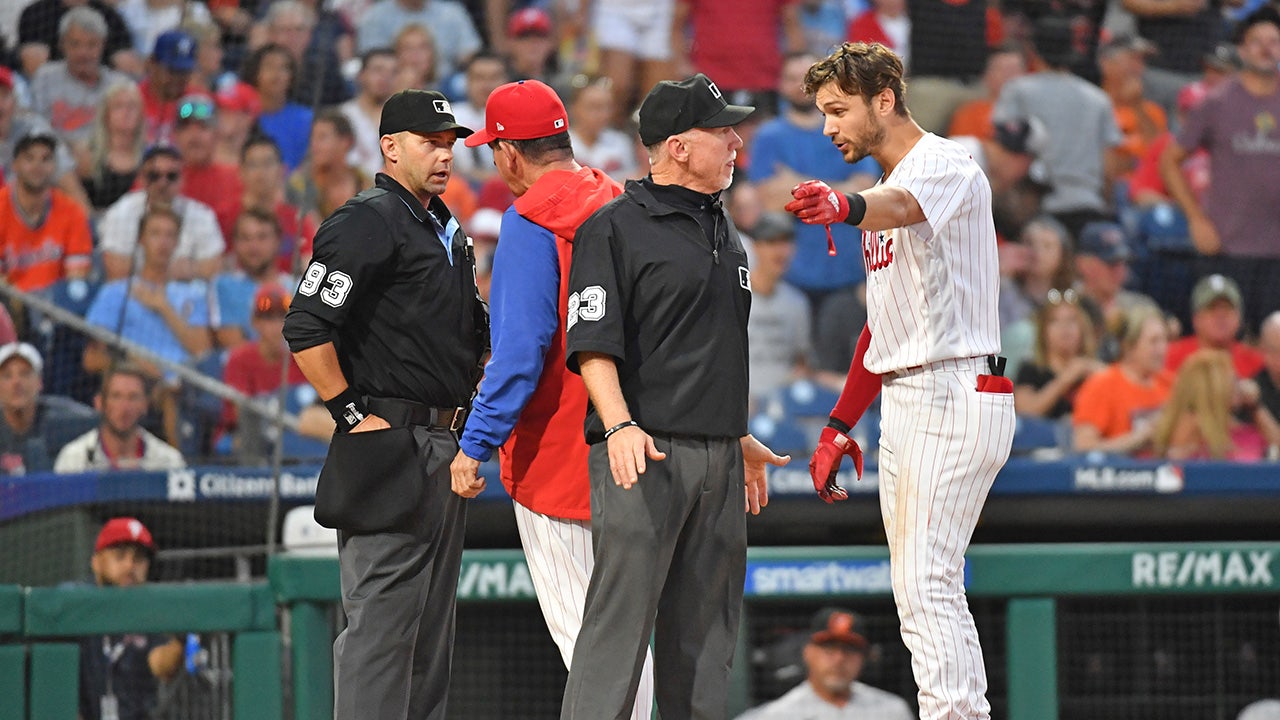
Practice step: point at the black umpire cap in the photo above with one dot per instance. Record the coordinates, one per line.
(420, 111)
(671, 107)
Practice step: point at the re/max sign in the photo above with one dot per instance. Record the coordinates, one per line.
(1214, 569)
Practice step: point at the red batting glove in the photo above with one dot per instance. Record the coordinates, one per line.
(833, 445)
(817, 204)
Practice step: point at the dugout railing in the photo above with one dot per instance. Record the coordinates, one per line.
(1033, 602)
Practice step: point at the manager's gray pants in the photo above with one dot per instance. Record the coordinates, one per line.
(399, 594)
(670, 561)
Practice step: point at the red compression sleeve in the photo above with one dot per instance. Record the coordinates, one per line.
(860, 386)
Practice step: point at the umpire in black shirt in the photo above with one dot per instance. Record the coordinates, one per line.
(657, 327)
(387, 325)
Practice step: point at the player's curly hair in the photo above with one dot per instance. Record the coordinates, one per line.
(862, 69)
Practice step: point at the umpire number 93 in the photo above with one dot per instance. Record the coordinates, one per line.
(333, 286)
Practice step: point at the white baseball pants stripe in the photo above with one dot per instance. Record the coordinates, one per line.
(560, 557)
(942, 443)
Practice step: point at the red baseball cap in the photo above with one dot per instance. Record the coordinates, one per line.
(239, 97)
(124, 530)
(6, 77)
(521, 110)
(529, 21)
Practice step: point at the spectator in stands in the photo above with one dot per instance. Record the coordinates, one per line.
(364, 111)
(255, 245)
(33, 426)
(119, 442)
(885, 22)
(255, 369)
(152, 307)
(1031, 269)
(973, 118)
(68, 92)
(148, 20)
(200, 246)
(44, 235)
(1063, 357)
(271, 70)
(1197, 421)
(204, 179)
(1217, 308)
(1234, 229)
(779, 327)
(834, 658)
(1122, 61)
(719, 29)
(1081, 125)
(595, 143)
(416, 64)
(38, 30)
(108, 164)
(168, 76)
(16, 124)
(1102, 266)
(125, 668)
(531, 44)
(635, 41)
(237, 119)
(325, 180)
(484, 73)
(209, 76)
(1146, 186)
(292, 25)
(787, 150)
(1267, 414)
(1184, 32)
(1011, 160)
(262, 177)
(456, 39)
(1115, 407)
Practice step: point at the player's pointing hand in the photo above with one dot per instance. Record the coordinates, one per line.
(817, 203)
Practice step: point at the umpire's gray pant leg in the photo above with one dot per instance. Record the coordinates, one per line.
(393, 659)
(636, 533)
(697, 623)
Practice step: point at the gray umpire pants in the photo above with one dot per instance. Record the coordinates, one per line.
(399, 593)
(670, 561)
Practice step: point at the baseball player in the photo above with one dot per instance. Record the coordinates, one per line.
(530, 405)
(932, 333)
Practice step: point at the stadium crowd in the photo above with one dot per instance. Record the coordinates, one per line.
(166, 163)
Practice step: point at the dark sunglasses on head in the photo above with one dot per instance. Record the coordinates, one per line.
(171, 176)
(195, 111)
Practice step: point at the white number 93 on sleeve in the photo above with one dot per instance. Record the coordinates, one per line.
(336, 284)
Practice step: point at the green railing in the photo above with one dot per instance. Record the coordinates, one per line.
(38, 665)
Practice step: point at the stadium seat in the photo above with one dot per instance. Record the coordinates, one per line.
(1033, 433)
(806, 399)
(302, 535)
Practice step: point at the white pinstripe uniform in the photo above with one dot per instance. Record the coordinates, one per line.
(932, 312)
(559, 554)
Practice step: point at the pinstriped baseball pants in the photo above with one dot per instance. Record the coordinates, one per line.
(558, 552)
(941, 445)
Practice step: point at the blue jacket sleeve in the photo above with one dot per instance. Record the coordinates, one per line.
(524, 312)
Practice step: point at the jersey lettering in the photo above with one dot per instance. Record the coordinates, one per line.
(591, 303)
(339, 284)
(572, 319)
(311, 279)
(877, 251)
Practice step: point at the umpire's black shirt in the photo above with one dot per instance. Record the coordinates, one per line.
(402, 314)
(659, 281)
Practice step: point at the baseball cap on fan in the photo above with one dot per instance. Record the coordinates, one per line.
(1105, 241)
(124, 531)
(419, 111)
(672, 107)
(837, 625)
(175, 50)
(1212, 288)
(521, 110)
(270, 301)
(529, 21)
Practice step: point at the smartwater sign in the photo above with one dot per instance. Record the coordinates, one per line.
(780, 578)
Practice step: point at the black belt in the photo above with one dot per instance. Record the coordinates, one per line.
(399, 412)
